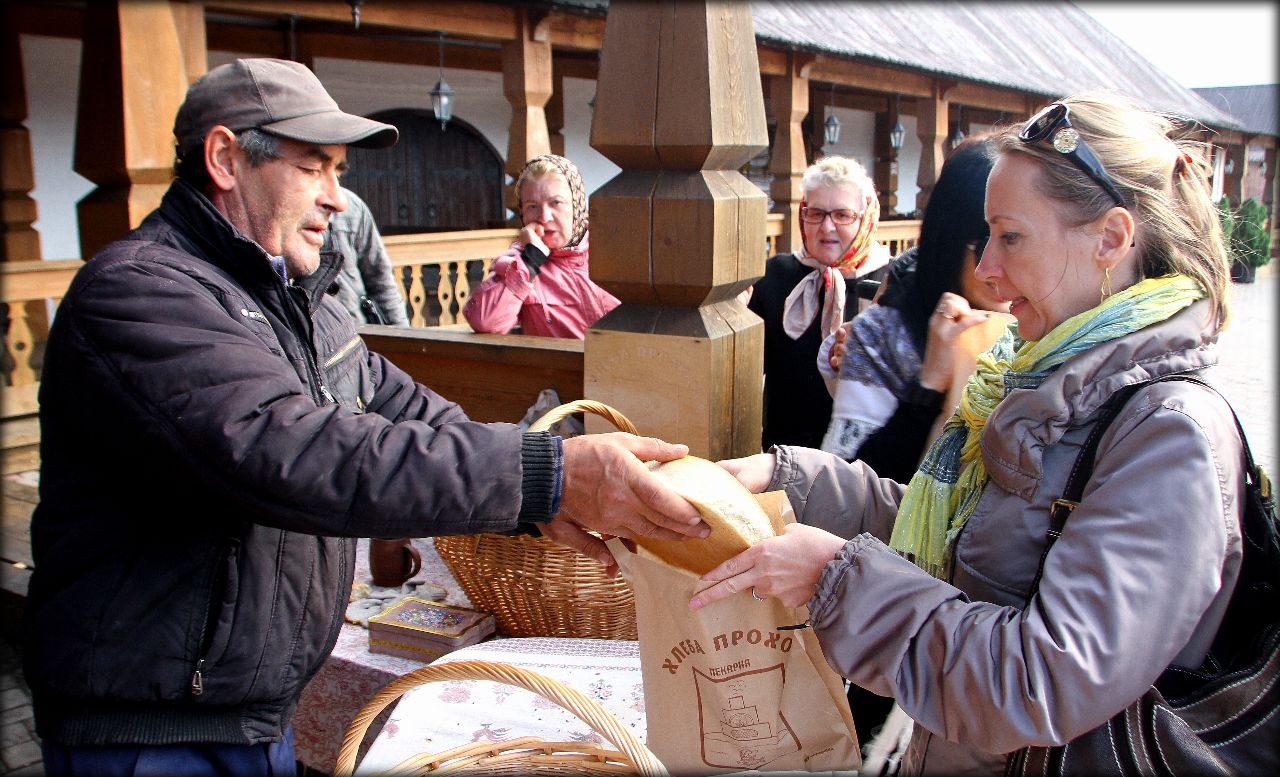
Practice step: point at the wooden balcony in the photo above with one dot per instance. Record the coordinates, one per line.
(435, 271)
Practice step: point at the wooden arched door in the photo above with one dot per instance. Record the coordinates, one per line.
(432, 180)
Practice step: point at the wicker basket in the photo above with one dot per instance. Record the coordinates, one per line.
(526, 755)
(538, 588)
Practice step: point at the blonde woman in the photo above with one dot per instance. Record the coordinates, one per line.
(541, 282)
(1107, 246)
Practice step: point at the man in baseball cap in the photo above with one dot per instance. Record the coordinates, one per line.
(215, 435)
(279, 97)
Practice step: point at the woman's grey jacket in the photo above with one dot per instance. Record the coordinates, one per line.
(1137, 581)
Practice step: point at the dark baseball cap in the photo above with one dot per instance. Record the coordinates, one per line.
(276, 96)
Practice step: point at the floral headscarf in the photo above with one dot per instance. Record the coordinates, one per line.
(577, 190)
(821, 293)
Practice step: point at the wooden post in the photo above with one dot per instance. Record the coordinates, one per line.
(19, 241)
(526, 81)
(931, 128)
(133, 77)
(1233, 183)
(789, 99)
(188, 19)
(678, 233)
(555, 115)
(27, 322)
(819, 104)
(886, 165)
(1269, 190)
(1238, 182)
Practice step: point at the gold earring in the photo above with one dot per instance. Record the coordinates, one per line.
(1106, 284)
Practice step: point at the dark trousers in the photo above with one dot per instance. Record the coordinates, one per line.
(186, 760)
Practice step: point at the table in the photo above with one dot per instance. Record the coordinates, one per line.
(439, 716)
(352, 675)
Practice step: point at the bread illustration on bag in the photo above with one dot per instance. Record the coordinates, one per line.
(736, 519)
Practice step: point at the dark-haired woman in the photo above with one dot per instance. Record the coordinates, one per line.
(900, 355)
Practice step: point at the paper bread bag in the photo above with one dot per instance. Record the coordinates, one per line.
(726, 689)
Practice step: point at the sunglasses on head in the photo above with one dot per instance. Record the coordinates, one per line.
(1053, 125)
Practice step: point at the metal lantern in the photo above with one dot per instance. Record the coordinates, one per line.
(831, 129)
(442, 94)
(898, 133)
(442, 102)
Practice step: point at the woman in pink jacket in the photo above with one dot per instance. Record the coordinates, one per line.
(541, 281)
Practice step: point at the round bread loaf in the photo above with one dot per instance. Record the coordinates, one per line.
(737, 521)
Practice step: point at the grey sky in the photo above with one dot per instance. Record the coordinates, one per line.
(1199, 44)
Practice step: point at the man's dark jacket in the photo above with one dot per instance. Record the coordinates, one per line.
(210, 438)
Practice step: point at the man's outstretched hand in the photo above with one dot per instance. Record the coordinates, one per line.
(608, 489)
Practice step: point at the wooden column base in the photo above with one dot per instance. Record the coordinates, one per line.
(686, 375)
(109, 212)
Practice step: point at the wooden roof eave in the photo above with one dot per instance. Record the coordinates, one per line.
(863, 73)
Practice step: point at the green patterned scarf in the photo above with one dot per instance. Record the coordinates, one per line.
(946, 487)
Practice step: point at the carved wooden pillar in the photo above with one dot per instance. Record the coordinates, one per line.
(25, 323)
(132, 80)
(819, 104)
(555, 116)
(1269, 180)
(1233, 183)
(526, 82)
(931, 128)
(1269, 190)
(886, 156)
(188, 19)
(677, 234)
(789, 99)
(19, 241)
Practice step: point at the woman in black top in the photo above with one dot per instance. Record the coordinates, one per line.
(805, 296)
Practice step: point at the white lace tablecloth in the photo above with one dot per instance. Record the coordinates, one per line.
(352, 675)
(439, 716)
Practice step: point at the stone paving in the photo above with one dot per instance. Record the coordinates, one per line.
(1247, 366)
(1247, 376)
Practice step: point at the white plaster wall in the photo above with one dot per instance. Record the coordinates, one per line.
(857, 135)
(52, 70)
(368, 87)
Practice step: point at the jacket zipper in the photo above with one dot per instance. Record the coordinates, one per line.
(319, 391)
(342, 352)
(197, 677)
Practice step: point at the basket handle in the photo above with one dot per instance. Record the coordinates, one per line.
(583, 406)
(591, 713)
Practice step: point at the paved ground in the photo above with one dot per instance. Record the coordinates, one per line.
(1247, 376)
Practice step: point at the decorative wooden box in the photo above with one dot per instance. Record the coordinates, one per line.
(425, 630)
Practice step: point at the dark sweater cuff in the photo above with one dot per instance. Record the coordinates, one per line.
(542, 476)
(533, 259)
(926, 398)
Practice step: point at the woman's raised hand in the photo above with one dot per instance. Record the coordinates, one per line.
(952, 316)
(754, 472)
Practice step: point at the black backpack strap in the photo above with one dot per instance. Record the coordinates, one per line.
(1081, 471)
(1083, 467)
